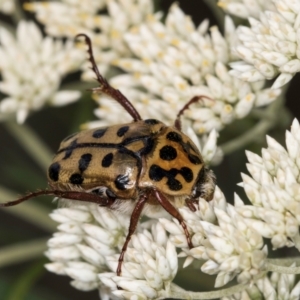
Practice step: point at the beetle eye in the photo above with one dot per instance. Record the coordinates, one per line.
(110, 194)
(196, 193)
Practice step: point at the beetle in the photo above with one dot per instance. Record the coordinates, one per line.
(143, 166)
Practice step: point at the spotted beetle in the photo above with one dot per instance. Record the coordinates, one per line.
(143, 166)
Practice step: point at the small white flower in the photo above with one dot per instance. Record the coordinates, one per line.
(7, 6)
(273, 189)
(246, 8)
(207, 146)
(271, 46)
(32, 69)
(69, 18)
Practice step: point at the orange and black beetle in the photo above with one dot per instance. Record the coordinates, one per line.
(140, 166)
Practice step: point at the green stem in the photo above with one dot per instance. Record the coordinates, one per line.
(7, 26)
(31, 142)
(217, 11)
(274, 265)
(21, 287)
(157, 5)
(178, 293)
(29, 211)
(248, 137)
(283, 265)
(286, 261)
(18, 13)
(21, 252)
(259, 130)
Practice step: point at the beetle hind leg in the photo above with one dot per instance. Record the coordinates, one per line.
(71, 195)
(135, 216)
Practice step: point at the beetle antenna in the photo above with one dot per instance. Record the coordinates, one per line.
(72, 195)
(177, 122)
(105, 87)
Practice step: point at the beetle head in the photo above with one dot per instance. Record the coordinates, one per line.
(205, 185)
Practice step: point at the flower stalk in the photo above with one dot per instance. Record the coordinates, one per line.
(29, 140)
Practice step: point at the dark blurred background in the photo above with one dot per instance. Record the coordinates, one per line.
(29, 280)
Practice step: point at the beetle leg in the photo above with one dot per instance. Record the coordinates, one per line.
(72, 195)
(177, 122)
(166, 204)
(191, 204)
(133, 223)
(105, 87)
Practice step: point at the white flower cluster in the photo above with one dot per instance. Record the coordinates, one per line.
(246, 8)
(87, 235)
(276, 286)
(271, 46)
(68, 18)
(274, 190)
(32, 68)
(85, 249)
(176, 61)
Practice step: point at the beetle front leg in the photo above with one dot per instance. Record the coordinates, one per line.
(192, 204)
(166, 204)
(133, 223)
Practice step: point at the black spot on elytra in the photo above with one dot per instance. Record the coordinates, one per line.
(107, 160)
(187, 174)
(174, 137)
(122, 131)
(174, 184)
(98, 133)
(167, 153)
(149, 144)
(156, 173)
(76, 178)
(69, 137)
(53, 171)
(151, 121)
(84, 161)
(194, 159)
(69, 150)
(187, 148)
(121, 181)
